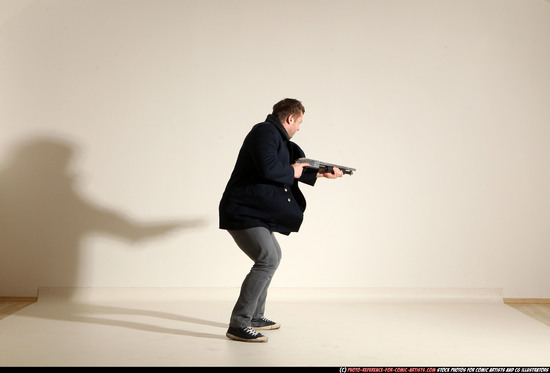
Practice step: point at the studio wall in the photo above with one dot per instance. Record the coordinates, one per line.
(121, 121)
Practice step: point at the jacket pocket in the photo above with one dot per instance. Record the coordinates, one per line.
(260, 191)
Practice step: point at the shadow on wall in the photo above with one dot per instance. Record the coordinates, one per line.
(43, 219)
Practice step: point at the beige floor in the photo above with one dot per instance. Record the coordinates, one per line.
(538, 311)
(10, 306)
(114, 327)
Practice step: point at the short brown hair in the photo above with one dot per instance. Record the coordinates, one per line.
(289, 106)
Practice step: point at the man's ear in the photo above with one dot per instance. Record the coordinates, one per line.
(290, 119)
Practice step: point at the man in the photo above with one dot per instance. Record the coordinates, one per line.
(262, 197)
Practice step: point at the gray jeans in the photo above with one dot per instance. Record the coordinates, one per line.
(261, 246)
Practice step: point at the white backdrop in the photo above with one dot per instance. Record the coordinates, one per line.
(119, 115)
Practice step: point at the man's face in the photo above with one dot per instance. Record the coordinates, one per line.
(292, 124)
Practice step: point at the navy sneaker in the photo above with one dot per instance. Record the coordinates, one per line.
(247, 334)
(264, 324)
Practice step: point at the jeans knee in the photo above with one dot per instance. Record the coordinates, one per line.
(270, 262)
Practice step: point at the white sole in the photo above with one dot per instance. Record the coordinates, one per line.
(268, 327)
(255, 340)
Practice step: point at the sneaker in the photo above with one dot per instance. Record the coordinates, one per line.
(264, 324)
(247, 334)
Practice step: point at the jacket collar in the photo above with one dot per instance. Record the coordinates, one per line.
(274, 120)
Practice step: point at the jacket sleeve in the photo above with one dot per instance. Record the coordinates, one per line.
(265, 147)
(309, 176)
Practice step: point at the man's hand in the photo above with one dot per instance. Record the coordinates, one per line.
(331, 175)
(298, 169)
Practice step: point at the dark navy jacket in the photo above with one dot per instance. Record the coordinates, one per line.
(262, 191)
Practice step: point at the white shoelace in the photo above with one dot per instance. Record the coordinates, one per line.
(251, 331)
(265, 319)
